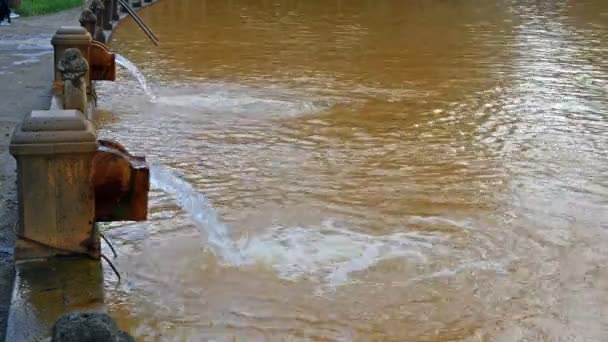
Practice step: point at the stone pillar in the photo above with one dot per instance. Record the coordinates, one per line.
(107, 15)
(88, 20)
(74, 68)
(54, 152)
(115, 16)
(70, 37)
(98, 9)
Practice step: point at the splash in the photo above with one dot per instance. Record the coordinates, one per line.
(200, 211)
(235, 103)
(139, 76)
(330, 254)
(325, 253)
(235, 99)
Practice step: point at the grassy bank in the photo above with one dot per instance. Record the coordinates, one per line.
(37, 7)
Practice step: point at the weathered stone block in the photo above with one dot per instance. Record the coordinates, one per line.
(54, 151)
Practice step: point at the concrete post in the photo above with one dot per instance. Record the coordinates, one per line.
(98, 9)
(54, 152)
(107, 15)
(70, 37)
(74, 68)
(115, 16)
(88, 20)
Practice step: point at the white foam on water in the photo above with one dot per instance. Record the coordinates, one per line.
(325, 253)
(226, 98)
(139, 76)
(330, 254)
(495, 266)
(235, 99)
(238, 103)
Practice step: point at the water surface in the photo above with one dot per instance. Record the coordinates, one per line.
(366, 170)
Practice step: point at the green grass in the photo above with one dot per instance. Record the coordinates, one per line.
(37, 7)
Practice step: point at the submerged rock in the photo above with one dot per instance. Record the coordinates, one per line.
(88, 327)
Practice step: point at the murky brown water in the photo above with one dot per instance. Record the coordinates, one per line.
(386, 171)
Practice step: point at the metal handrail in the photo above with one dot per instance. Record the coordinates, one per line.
(139, 21)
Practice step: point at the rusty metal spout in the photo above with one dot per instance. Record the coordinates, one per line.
(121, 183)
(102, 62)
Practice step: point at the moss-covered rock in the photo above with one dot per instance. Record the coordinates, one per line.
(88, 327)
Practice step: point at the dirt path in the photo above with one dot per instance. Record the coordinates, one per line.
(26, 75)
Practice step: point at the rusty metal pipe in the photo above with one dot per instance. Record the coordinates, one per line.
(139, 21)
(121, 183)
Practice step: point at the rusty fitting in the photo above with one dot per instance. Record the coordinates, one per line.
(54, 152)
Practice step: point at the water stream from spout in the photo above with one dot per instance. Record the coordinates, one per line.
(200, 211)
(327, 253)
(139, 76)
